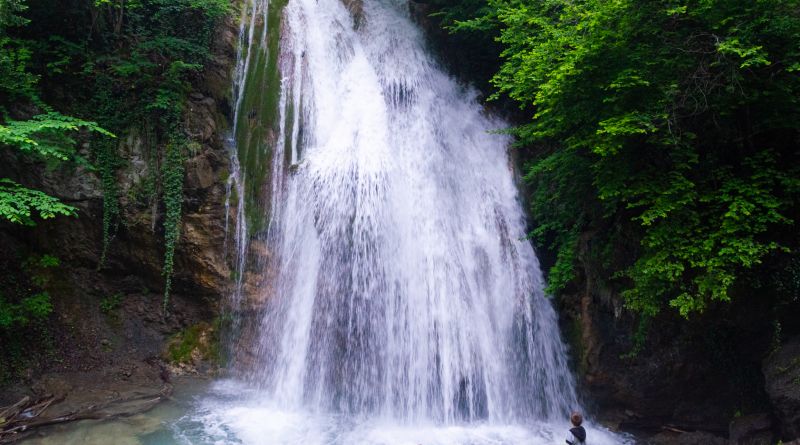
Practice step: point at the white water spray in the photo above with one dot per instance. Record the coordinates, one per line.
(407, 306)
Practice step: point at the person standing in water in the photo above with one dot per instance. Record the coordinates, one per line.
(577, 434)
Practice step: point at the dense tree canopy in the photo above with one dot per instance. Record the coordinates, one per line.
(47, 135)
(672, 124)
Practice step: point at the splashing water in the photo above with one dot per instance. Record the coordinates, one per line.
(404, 307)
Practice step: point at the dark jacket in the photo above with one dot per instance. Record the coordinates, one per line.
(579, 435)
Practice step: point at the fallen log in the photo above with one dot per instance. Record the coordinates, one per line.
(9, 412)
(20, 419)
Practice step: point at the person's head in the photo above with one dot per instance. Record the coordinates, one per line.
(576, 418)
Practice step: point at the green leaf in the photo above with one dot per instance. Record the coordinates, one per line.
(21, 205)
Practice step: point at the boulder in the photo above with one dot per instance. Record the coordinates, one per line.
(782, 383)
(693, 438)
(752, 429)
(53, 385)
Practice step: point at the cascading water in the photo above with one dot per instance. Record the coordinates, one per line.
(404, 304)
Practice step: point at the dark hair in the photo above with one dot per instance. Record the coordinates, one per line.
(576, 418)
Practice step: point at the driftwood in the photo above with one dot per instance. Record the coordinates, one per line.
(20, 419)
(673, 429)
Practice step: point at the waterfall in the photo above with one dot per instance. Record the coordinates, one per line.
(398, 288)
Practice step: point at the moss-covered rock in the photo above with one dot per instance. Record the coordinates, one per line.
(195, 349)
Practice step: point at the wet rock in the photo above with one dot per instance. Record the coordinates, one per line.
(201, 124)
(260, 251)
(54, 385)
(689, 438)
(782, 378)
(200, 173)
(217, 73)
(752, 429)
(87, 338)
(201, 265)
(356, 8)
(193, 351)
(690, 374)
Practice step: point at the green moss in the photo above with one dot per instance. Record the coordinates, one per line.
(575, 340)
(258, 118)
(110, 304)
(197, 341)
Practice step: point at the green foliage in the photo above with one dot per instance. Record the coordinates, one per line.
(44, 261)
(122, 65)
(39, 269)
(10, 11)
(46, 135)
(26, 308)
(107, 162)
(146, 86)
(134, 60)
(201, 340)
(15, 79)
(19, 204)
(169, 42)
(111, 303)
(677, 121)
(33, 307)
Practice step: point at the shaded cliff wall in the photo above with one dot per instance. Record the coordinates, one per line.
(111, 315)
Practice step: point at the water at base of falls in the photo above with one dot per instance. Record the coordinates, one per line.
(227, 412)
(403, 304)
(232, 413)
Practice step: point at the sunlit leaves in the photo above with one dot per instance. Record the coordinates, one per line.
(21, 205)
(676, 119)
(47, 135)
(750, 55)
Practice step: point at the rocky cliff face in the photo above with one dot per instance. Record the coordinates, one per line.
(782, 376)
(720, 377)
(110, 316)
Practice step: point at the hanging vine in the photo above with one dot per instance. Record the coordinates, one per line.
(107, 162)
(172, 173)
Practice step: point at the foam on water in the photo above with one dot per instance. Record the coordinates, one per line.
(404, 305)
(234, 414)
(400, 302)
